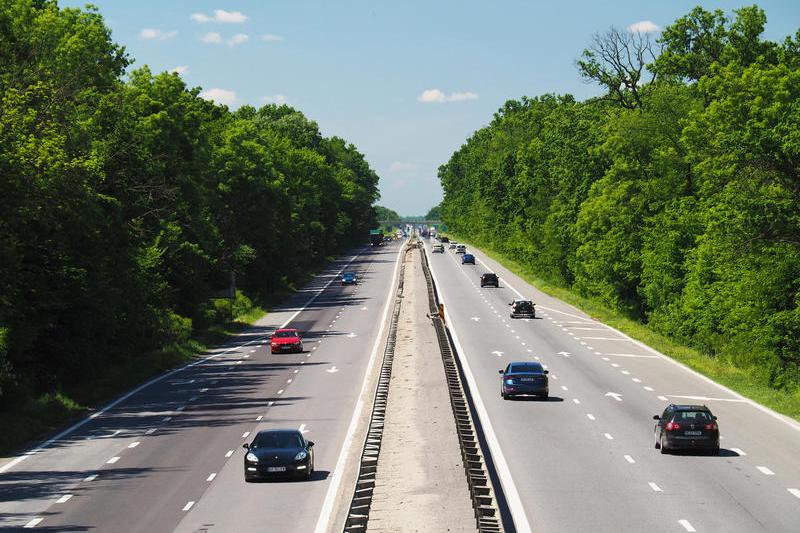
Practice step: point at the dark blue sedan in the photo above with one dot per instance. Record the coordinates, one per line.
(349, 278)
(467, 259)
(278, 452)
(528, 378)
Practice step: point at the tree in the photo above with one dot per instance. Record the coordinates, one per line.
(617, 60)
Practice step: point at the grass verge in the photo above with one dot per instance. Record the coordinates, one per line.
(749, 382)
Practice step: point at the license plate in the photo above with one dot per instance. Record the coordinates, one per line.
(527, 379)
(276, 469)
(692, 433)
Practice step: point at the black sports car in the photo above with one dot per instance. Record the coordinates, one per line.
(526, 377)
(278, 452)
(522, 309)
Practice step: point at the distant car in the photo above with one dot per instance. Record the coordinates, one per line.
(461, 249)
(286, 340)
(682, 427)
(387, 239)
(438, 249)
(278, 452)
(445, 240)
(452, 245)
(489, 279)
(522, 309)
(467, 259)
(349, 278)
(528, 378)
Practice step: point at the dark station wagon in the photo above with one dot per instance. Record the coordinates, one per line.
(686, 427)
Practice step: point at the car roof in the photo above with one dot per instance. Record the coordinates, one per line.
(278, 430)
(686, 407)
(526, 363)
(518, 300)
(287, 329)
(488, 274)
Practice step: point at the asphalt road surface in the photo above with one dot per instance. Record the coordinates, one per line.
(585, 459)
(168, 457)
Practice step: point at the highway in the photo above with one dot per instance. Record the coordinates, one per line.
(585, 459)
(168, 456)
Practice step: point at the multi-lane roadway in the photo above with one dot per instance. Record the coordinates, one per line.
(168, 455)
(585, 459)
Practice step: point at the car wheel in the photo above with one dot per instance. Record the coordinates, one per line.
(504, 395)
(663, 446)
(714, 451)
(656, 445)
(545, 396)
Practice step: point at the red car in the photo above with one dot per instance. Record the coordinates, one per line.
(286, 340)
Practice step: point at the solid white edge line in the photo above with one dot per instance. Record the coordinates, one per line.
(156, 379)
(767, 410)
(336, 479)
(501, 465)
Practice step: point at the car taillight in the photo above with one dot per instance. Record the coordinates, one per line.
(672, 426)
(712, 425)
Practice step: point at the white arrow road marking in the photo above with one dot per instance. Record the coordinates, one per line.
(498, 353)
(476, 318)
(565, 354)
(615, 395)
(332, 370)
(302, 428)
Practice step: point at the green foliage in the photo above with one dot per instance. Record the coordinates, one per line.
(681, 212)
(384, 214)
(130, 206)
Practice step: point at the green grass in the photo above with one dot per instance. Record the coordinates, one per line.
(750, 382)
(34, 419)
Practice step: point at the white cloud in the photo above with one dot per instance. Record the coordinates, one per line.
(430, 96)
(399, 166)
(221, 16)
(643, 26)
(220, 96)
(155, 33)
(211, 38)
(180, 69)
(271, 38)
(460, 97)
(239, 38)
(274, 99)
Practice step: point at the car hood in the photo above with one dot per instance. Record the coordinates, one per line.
(285, 340)
(276, 455)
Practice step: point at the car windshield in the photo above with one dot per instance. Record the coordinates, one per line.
(278, 439)
(349, 274)
(285, 334)
(522, 305)
(534, 368)
(693, 417)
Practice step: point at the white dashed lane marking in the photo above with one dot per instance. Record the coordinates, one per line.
(228, 453)
(766, 471)
(90, 478)
(64, 499)
(133, 444)
(590, 416)
(794, 492)
(629, 459)
(655, 487)
(608, 436)
(687, 526)
(112, 460)
(245, 434)
(211, 476)
(33, 523)
(738, 451)
(188, 506)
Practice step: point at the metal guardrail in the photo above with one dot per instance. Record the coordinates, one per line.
(358, 514)
(487, 513)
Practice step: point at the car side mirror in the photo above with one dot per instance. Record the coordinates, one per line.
(714, 417)
(656, 417)
(310, 443)
(499, 371)
(546, 371)
(246, 446)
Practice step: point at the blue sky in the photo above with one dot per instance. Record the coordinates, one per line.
(406, 81)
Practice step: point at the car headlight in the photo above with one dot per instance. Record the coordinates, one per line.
(300, 456)
(509, 382)
(251, 457)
